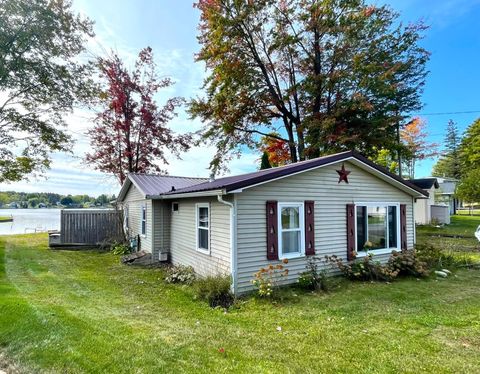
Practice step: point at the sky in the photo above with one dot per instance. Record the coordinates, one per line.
(170, 28)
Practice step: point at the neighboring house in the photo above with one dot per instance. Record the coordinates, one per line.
(331, 205)
(423, 207)
(446, 194)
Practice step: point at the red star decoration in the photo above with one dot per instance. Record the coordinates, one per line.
(343, 174)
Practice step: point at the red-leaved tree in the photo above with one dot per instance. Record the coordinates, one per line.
(131, 133)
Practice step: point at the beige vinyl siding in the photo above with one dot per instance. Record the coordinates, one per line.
(183, 237)
(331, 198)
(134, 201)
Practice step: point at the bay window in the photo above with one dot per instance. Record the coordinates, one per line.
(377, 227)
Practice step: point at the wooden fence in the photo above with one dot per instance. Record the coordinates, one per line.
(89, 226)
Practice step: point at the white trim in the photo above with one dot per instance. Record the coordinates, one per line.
(379, 251)
(301, 228)
(197, 227)
(186, 194)
(398, 184)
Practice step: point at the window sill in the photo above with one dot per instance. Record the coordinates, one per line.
(291, 256)
(203, 251)
(374, 252)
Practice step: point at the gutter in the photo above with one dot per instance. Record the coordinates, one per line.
(233, 241)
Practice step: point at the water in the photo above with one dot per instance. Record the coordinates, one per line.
(29, 220)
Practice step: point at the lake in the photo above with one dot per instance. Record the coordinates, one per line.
(29, 220)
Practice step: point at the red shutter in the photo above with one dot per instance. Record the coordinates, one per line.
(403, 226)
(309, 228)
(350, 232)
(272, 231)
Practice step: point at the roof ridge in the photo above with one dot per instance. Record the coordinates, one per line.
(167, 175)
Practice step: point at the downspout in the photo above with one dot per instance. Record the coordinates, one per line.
(233, 242)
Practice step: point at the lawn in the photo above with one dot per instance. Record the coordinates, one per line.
(5, 218)
(82, 311)
(457, 236)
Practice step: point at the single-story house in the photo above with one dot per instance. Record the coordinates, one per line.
(446, 194)
(342, 204)
(423, 207)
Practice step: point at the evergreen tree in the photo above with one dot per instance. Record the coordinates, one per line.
(265, 162)
(449, 165)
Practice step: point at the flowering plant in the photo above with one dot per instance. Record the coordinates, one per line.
(267, 279)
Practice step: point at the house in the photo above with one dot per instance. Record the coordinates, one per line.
(333, 205)
(446, 194)
(423, 207)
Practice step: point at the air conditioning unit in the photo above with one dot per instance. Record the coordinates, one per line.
(163, 256)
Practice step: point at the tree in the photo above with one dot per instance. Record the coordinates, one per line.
(328, 76)
(384, 158)
(469, 189)
(414, 138)
(130, 134)
(41, 79)
(470, 148)
(265, 164)
(449, 165)
(66, 201)
(276, 149)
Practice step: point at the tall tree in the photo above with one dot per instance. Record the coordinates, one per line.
(131, 133)
(449, 165)
(469, 189)
(327, 75)
(265, 163)
(276, 149)
(41, 79)
(470, 147)
(414, 137)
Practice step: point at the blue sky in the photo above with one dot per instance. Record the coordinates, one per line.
(170, 28)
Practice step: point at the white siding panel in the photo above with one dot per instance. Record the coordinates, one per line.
(331, 198)
(183, 237)
(134, 201)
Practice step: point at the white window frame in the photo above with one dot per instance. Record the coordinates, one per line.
(198, 227)
(301, 222)
(143, 220)
(126, 217)
(379, 251)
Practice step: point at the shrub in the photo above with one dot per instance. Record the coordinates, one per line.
(120, 249)
(313, 278)
(436, 258)
(364, 269)
(406, 262)
(215, 290)
(267, 279)
(180, 274)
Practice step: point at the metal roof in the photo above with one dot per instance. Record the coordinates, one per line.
(153, 184)
(425, 183)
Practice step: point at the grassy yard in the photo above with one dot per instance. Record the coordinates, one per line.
(81, 311)
(463, 226)
(5, 218)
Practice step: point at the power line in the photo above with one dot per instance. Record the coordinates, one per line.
(447, 113)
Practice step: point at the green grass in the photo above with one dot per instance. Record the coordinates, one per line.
(466, 212)
(5, 218)
(82, 311)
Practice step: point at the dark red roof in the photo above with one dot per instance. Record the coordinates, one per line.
(244, 180)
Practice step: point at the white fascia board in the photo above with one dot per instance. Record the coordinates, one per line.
(187, 194)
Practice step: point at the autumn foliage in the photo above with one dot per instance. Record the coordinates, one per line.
(276, 149)
(131, 133)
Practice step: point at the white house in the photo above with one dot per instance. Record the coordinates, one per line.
(423, 207)
(329, 205)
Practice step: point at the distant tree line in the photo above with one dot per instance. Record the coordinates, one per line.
(48, 200)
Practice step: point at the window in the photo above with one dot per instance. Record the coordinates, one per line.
(291, 233)
(377, 227)
(174, 207)
(125, 215)
(144, 220)
(203, 228)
